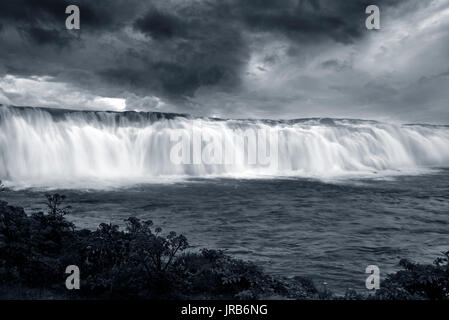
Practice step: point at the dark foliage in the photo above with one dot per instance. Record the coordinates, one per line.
(140, 262)
(137, 262)
(418, 281)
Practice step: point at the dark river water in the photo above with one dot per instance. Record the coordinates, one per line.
(328, 231)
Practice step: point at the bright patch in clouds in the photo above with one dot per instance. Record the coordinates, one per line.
(112, 103)
(43, 92)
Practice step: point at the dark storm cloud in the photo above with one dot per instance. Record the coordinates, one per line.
(205, 40)
(200, 43)
(159, 25)
(96, 14)
(203, 55)
(42, 36)
(41, 20)
(299, 19)
(33, 19)
(200, 47)
(310, 20)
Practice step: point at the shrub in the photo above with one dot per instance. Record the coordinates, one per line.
(418, 281)
(54, 203)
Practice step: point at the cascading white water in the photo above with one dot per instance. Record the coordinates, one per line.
(44, 147)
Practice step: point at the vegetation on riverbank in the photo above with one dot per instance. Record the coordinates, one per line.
(143, 262)
(137, 262)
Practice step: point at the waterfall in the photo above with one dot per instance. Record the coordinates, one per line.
(44, 146)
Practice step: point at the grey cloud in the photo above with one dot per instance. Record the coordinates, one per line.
(197, 56)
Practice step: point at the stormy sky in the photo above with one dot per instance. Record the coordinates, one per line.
(229, 58)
